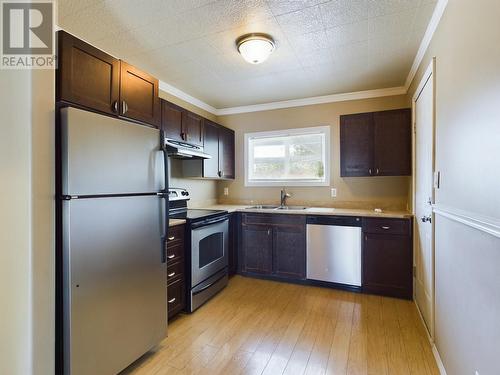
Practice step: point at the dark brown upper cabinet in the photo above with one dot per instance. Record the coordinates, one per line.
(356, 145)
(392, 142)
(192, 126)
(90, 78)
(218, 142)
(87, 76)
(181, 125)
(171, 120)
(376, 144)
(211, 147)
(139, 95)
(226, 153)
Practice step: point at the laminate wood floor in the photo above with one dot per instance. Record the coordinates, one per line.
(265, 327)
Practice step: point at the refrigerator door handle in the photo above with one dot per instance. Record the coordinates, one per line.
(164, 195)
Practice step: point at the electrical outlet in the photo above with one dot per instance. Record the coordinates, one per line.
(226, 191)
(333, 192)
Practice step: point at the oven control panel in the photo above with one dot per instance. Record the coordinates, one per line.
(176, 194)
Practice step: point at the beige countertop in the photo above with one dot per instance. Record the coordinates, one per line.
(174, 222)
(315, 211)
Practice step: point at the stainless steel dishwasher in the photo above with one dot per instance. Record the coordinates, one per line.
(334, 249)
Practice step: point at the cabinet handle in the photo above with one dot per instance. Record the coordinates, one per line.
(171, 238)
(370, 171)
(376, 171)
(171, 256)
(219, 173)
(124, 107)
(269, 232)
(386, 228)
(115, 106)
(171, 274)
(172, 300)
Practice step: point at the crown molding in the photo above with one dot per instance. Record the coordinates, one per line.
(368, 94)
(313, 100)
(426, 41)
(172, 90)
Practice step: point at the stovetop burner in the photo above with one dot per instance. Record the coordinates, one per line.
(193, 214)
(178, 207)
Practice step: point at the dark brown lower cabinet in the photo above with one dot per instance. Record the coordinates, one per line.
(273, 245)
(289, 252)
(234, 228)
(176, 297)
(388, 257)
(257, 243)
(176, 284)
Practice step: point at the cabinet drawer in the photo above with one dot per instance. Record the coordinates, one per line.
(175, 252)
(175, 271)
(175, 234)
(175, 297)
(387, 226)
(274, 219)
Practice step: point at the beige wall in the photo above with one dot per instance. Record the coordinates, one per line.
(370, 192)
(27, 223)
(467, 147)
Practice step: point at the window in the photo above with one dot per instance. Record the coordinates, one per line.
(294, 157)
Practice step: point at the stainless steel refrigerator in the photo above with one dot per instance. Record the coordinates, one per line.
(114, 219)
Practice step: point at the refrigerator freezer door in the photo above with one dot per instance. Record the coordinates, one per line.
(114, 282)
(104, 155)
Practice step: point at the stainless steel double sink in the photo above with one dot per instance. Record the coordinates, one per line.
(276, 208)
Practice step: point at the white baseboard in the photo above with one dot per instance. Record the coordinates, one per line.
(439, 362)
(435, 352)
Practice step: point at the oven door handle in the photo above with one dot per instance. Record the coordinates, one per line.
(209, 222)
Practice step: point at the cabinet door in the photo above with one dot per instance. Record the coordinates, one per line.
(289, 256)
(392, 142)
(171, 120)
(387, 265)
(176, 301)
(257, 247)
(356, 145)
(192, 126)
(234, 225)
(86, 75)
(226, 153)
(139, 95)
(211, 147)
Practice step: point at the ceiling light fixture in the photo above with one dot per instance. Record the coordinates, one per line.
(255, 48)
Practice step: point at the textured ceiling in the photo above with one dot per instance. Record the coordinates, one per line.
(324, 47)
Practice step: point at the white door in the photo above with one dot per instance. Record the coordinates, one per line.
(424, 198)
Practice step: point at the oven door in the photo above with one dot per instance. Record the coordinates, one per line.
(209, 248)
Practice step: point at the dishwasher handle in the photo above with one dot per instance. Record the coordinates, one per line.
(345, 221)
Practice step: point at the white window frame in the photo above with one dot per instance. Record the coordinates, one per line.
(290, 132)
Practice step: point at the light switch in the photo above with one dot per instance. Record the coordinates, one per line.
(226, 191)
(334, 192)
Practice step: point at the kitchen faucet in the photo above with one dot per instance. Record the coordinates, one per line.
(284, 195)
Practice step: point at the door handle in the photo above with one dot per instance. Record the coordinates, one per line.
(426, 219)
(124, 107)
(171, 256)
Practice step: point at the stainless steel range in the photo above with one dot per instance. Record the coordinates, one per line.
(206, 248)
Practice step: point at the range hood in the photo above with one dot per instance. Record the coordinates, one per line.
(183, 150)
